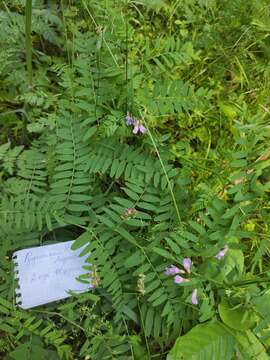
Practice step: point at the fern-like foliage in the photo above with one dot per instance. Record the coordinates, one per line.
(168, 97)
(9, 157)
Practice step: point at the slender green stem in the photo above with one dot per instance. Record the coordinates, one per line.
(143, 328)
(28, 40)
(127, 84)
(65, 31)
(165, 173)
(131, 348)
(53, 313)
(102, 33)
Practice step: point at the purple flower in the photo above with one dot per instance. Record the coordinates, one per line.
(222, 252)
(138, 127)
(179, 279)
(172, 270)
(187, 264)
(194, 298)
(129, 119)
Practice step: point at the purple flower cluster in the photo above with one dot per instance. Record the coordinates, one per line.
(187, 263)
(137, 125)
(178, 279)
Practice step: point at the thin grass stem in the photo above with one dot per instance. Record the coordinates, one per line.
(28, 40)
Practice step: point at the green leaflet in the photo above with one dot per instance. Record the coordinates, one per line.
(81, 241)
(163, 253)
(135, 259)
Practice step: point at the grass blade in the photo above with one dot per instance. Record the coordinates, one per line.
(28, 40)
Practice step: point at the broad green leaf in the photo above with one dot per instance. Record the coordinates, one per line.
(238, 319)
(262, 303)
(250, 347)
(234, 260)
(209, 341)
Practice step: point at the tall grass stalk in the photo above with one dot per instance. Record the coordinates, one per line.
(28, 40)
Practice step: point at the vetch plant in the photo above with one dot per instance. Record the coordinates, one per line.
(153, 212)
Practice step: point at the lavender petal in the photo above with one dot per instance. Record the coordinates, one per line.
(187, 264)
(129, 119)
(172, 270)
(136, 127)
(222, 252)
(142, 129)
(194, 298)
(179, 279)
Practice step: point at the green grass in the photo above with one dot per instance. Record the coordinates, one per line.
(28, 39)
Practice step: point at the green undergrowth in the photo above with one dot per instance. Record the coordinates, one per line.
(193, 183)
